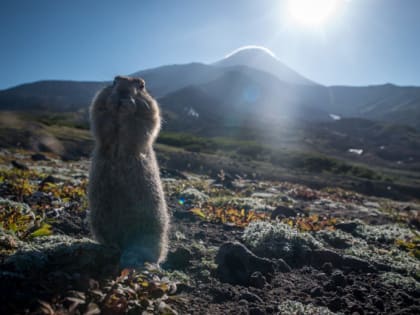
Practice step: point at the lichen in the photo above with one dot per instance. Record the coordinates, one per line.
(387, 233)
(297, 308)
(400, 281)
(277, 239)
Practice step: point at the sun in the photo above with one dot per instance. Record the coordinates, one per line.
(312, 12)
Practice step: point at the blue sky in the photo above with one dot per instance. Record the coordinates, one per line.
(364, 42)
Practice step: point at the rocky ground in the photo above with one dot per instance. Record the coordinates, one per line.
(237, 247)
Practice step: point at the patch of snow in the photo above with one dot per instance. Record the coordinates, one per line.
(335, 117)
(192, 112)
(356, 151)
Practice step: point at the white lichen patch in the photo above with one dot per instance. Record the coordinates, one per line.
(386, 234)
(278, 239)
(400, 281)
(374, 249)
(297, 308)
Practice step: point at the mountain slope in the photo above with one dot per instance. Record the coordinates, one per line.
(236, 86)
(166, 79)
(49, 95)
(261, 59)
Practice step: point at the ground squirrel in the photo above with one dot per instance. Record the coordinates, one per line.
(126, 199)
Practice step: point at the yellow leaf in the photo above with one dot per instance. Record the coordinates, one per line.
(44, 230)
(198, 212)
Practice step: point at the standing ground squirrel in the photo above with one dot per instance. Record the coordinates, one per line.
(126, 198)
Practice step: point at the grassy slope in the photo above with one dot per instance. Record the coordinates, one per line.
(65, 135)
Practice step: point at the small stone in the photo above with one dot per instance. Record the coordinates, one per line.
(283, 212)
(335, 304)
(179, 259)
(257, 280)
(378, 303)
(243, 302)
(317, 291)
(281, 265)
(19, 165)
(327, 268)
(329, 286)
(339, 279)
(157, 293)
(201, 235)
(348, 227)
(39, 157)
(236, 263)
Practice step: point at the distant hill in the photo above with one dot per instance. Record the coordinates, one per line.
(49, 95)
(247, 86)
(261, 59)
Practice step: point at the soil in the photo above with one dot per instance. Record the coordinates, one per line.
(192, 281)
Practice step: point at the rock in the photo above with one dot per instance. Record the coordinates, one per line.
(61, 253)
(236, 264)
(19, 165)
(327, 268)
(321, 256)
(317, 291)
(184, 215)
(355, 263)
(179, 259)
(283, 212)
(200, 235)
(243, 302)
(339, 279)
(39, 157)
(335, 304)
(379, 303)
(279, 240)
(348, 227)
(281, 265)
(257, 280)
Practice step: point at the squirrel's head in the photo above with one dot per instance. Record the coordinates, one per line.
(125, 116)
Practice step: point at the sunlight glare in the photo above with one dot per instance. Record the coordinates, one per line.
(312, 12)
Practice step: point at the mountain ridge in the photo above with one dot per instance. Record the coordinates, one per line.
(236, 86)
